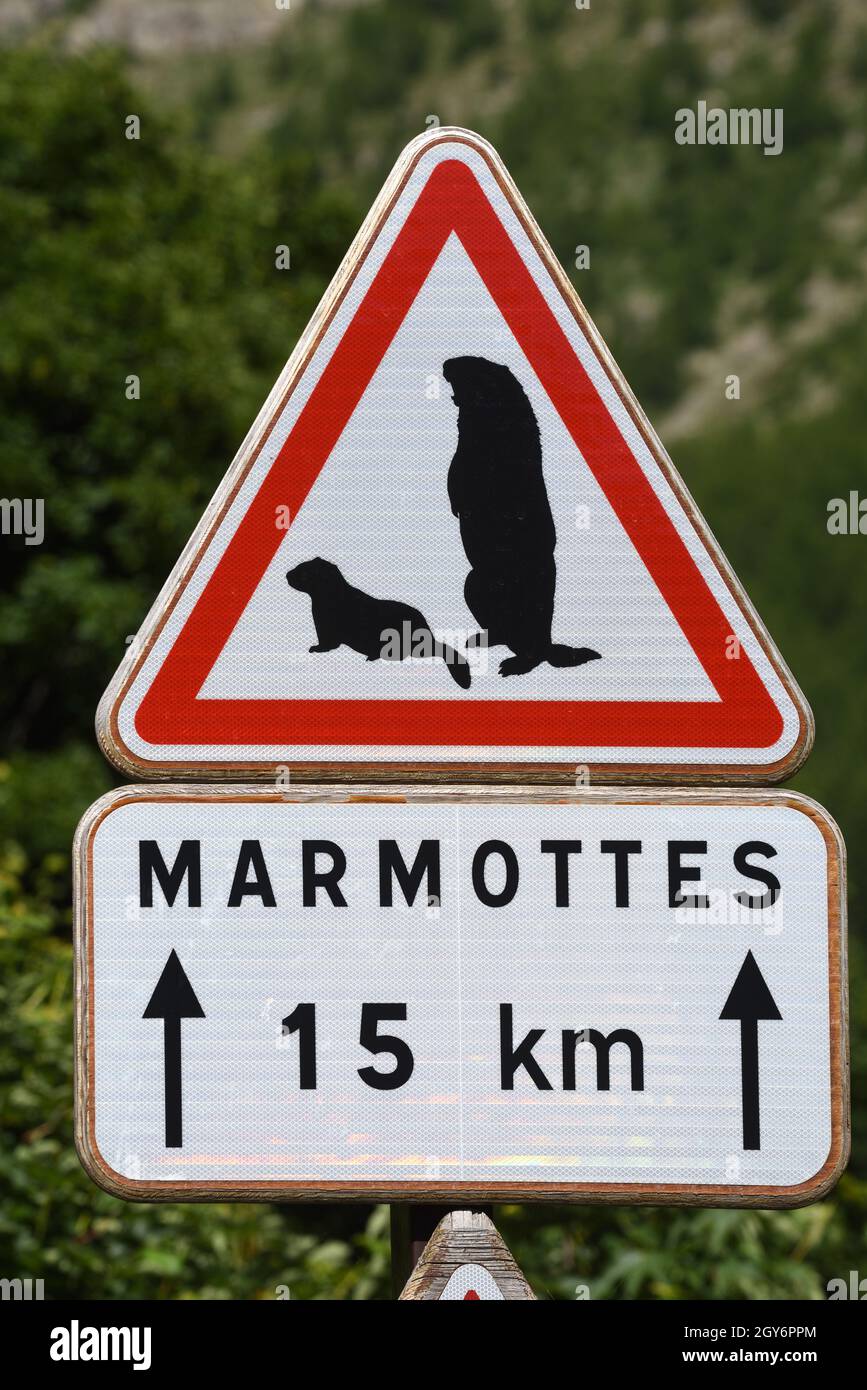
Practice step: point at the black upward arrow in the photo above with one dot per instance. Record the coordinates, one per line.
(172, 1000)
(750, 1000)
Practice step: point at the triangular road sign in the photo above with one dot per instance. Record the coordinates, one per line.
(466, 1259)
(450, 451)
(471, 1284)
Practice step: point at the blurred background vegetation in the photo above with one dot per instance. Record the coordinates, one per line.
(262, 126)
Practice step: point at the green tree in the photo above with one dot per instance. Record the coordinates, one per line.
(122, 257)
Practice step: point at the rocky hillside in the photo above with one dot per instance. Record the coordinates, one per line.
(704, 261)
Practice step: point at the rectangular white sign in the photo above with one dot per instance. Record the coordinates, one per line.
(604, 995)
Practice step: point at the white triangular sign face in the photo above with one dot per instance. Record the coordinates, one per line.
(452, 542)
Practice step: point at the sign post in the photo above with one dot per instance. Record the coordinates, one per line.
(466, 1259)
(412, 1226)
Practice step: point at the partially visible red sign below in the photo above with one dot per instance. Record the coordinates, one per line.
(472, 1282)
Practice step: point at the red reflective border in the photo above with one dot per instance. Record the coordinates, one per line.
(452, 200)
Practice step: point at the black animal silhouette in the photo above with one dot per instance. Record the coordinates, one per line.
(378, 628)
(497, 490)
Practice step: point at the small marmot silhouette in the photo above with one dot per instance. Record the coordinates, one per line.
(497, 491)
(381, 629)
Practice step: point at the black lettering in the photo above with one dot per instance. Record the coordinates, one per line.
(188, 862)
(313, 879)
(621, 849)
(679, 873)
(374, 1041)
(511, 1057)
(771, 882)
(561, 849)
(251, 856)
(510, 887)
(391, 864)
(302, 1021)
(603, 1046)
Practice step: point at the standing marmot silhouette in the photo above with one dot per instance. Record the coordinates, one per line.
(497, 490)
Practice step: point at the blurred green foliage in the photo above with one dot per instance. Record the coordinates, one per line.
(157, 258)
(56, 1226)
(122, 257)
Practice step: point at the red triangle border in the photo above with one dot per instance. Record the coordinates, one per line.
(453, 201)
